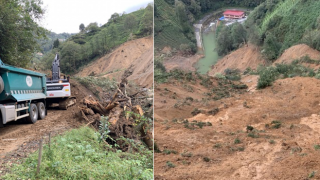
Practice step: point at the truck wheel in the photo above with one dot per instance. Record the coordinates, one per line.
(42, 110)
(1, 121)
(33, 114)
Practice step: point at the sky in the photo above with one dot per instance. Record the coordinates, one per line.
(67, 15)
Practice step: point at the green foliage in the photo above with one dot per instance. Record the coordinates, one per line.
(230, 38)
(271, 47)
(56, 43)
(317, 147)
(195, 111)
(269, 74)
(94, 41)
(266, 77)
(276, 124)
(253, 134)
(173, 21)
(19, 31)
(91, 82)
(280, 24)
(71, 155)
(170, 164)
(82, 27)
(168, 151)
(237, 141)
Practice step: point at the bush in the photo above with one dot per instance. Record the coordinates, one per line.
(267, 76)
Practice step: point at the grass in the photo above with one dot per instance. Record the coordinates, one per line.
(276, 124)
(206, 159)
(253, 134)
(272, 141)
(218, 145)
(168, 151)
(170, 164)
(267, 75)
(311, 175)
(237, 141)
(186, 154)
(92, 82)
(317, 147)
(78, 155)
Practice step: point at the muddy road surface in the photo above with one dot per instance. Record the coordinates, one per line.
(14, 134)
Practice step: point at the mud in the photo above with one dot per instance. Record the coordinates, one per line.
(18, 139)
(136, 55)
(226, 150)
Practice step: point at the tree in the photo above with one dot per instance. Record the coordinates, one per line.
(92, 28)
(130, 21)
(71, 55)
(182, 15)
(114, 17)
(224, 41)
(113, 33)
(56, 43)
(146, 24)
(271, 47)
(239, 35)
(19, 31)
(82, 27)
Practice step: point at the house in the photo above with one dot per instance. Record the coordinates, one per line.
(234, 14)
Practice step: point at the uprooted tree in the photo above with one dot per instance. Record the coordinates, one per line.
(124, 114)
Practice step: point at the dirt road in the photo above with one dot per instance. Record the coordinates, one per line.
(15, 134)
(18, 139)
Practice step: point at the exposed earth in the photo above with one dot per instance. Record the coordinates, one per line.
(226, 150)
(211, 130)
(136, 55)
(18, 139)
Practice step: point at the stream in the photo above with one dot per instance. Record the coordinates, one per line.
(211, 55)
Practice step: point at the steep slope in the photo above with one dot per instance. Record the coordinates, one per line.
(246, 56)
(136, 55)
(297, 52)
(224, 149)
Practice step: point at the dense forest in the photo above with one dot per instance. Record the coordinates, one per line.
(19, 31)
(174, 18)
(93, 41)
(279, 24)
(275, 25)
(21, 38)
(47, 44)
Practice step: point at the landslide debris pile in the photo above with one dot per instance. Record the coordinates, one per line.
(128, 111)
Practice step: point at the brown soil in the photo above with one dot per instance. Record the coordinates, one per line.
(18, 139)
(297, 52)
(250, 56)
(213, 152)
(136, 55)
(244, 57)
(181, 62)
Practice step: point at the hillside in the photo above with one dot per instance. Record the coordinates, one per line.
(248, 56)
(173, 20)
(93, 42)
(209, 138)
(297, 52)
(136, 55)
(277, 25)
(251, 57)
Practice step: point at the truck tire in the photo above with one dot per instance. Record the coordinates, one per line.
(1, 121)
(33, 114)
(42, 110)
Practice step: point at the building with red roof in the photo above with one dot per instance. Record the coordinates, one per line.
(234, 14)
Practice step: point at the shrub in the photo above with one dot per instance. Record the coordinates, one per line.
(267, 76)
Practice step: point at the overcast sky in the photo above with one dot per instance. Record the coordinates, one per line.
(66, 15)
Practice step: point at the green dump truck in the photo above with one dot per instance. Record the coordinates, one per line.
(22, 94)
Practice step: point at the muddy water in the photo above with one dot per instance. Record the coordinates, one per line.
(211, 55)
